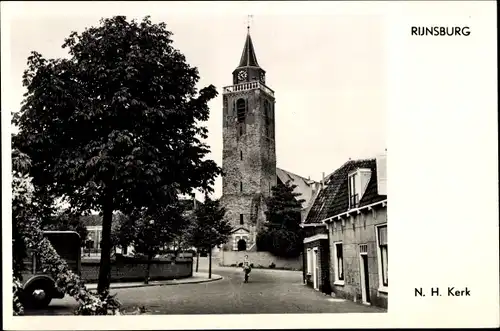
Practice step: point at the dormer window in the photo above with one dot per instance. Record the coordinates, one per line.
(357, 182)
(353, 193)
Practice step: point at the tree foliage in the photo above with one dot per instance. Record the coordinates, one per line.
(156, 229)
(282, 235)
(22, 207)
(116, 125)
(208, 227)
(123, 230)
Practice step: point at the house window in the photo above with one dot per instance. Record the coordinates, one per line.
(241, 219)
(383, 255)
(339, 264)
(353, 194)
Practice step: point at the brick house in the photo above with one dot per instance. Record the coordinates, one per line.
(316, 257)
(316, 254)
(351, 213)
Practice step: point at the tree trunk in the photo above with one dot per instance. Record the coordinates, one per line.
(105, 266)
(148, 268)
(209, 263)
(197, 259)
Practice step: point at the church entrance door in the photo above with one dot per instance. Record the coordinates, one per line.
(242, 245)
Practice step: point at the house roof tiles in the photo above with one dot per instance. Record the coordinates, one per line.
(333, 198)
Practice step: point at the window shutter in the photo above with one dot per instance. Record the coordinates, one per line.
(382, 174)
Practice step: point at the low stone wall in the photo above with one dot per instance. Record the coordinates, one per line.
(129, 269)
(259, 260)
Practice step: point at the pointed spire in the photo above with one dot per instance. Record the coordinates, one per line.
(248, 58)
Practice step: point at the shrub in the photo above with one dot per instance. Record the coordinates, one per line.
(240, 264)
(272, 265)
(16, 291)
(251, 265)
(263, 242)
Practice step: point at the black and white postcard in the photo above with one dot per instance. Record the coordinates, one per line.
(245, 165)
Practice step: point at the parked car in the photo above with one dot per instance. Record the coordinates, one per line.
(39, 288)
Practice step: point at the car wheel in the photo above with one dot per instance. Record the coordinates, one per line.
(38, 295)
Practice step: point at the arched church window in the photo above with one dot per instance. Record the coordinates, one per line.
(241, 110)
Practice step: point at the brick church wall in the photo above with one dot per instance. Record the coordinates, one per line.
(262, 259)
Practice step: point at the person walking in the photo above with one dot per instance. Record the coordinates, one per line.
(246, 268)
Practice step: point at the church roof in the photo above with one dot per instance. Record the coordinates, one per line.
(306, 187)
(248, 57)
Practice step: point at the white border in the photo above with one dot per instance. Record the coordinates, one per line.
(443, 97)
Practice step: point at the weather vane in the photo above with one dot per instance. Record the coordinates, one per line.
(249, 18)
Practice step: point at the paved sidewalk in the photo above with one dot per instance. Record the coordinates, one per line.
(198, 277)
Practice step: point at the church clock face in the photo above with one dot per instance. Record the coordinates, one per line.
(242, 75)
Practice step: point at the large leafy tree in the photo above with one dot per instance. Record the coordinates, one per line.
(116, 126)
(209, 228)
(282, 235)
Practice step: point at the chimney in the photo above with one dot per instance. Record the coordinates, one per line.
(381, 164)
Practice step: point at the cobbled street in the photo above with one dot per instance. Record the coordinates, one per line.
(268, 291)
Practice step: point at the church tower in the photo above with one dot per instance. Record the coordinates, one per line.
(249, 149)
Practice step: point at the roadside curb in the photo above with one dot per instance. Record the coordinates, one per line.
(119, 286)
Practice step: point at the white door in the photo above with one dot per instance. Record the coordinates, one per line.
(315, 268)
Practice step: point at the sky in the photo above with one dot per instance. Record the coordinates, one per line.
(328, 72)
